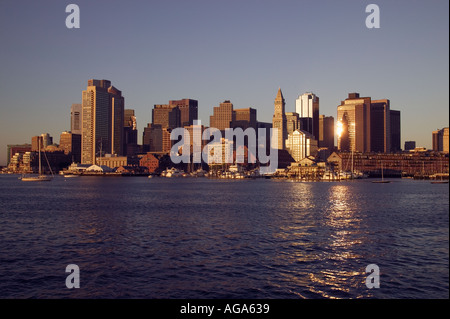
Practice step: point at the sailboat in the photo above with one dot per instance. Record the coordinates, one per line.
(382, 176)
(441, 181)
(41, 177)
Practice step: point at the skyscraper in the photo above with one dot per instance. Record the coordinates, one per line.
(279, 121)
(395, 131)
(223, 116)
(307, 107)
(130, 133)
(166, 115)
(188, 110)
(380, 123)
(326, 132)
(441, 140)
(70, 143)
(353, 126)
(245, 118)
(102, 121)
(75, 118)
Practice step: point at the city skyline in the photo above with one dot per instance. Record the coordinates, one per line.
(238, 59)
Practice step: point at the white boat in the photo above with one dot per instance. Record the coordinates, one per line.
(71, 175)
(329, 176)
(41, 177)
(173, 172)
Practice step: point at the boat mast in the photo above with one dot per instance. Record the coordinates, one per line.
(39, 148)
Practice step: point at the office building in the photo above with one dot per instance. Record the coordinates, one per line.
(130, 139)
(380, 123)
(223, 116)
(353, 126)
(188, 110)
(156, 138)
(395, 132)
(279, 122)
(76, 119)
(440, 140)
(70, 143)
(102, 121)
(326, 132)
(307, 107)
(166, 115)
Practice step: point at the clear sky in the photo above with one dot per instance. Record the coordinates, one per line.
(210, 50)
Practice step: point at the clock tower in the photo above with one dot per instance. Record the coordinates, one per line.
(279, 121)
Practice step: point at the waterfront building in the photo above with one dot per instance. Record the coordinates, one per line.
(307, 107)
(13, 149)
(423, 163)
(150, 161)
(279, 121)
(301, 144)
(76, 119)
(102, 120)
(112, 161)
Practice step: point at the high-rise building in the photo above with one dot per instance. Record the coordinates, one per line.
(395, 132)
(166, 115)
(326, 132)
(156, 138)
(353, 126)
(279, 121)
(245, 118)
(223, 116)
(441, 140)
(188, 110)
(307, 107)
(70, 143)
(301, 144)
(75, 118)
(102, 121)
(130, 139)
(380, 123)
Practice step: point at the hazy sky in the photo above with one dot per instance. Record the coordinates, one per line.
(243, 50)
